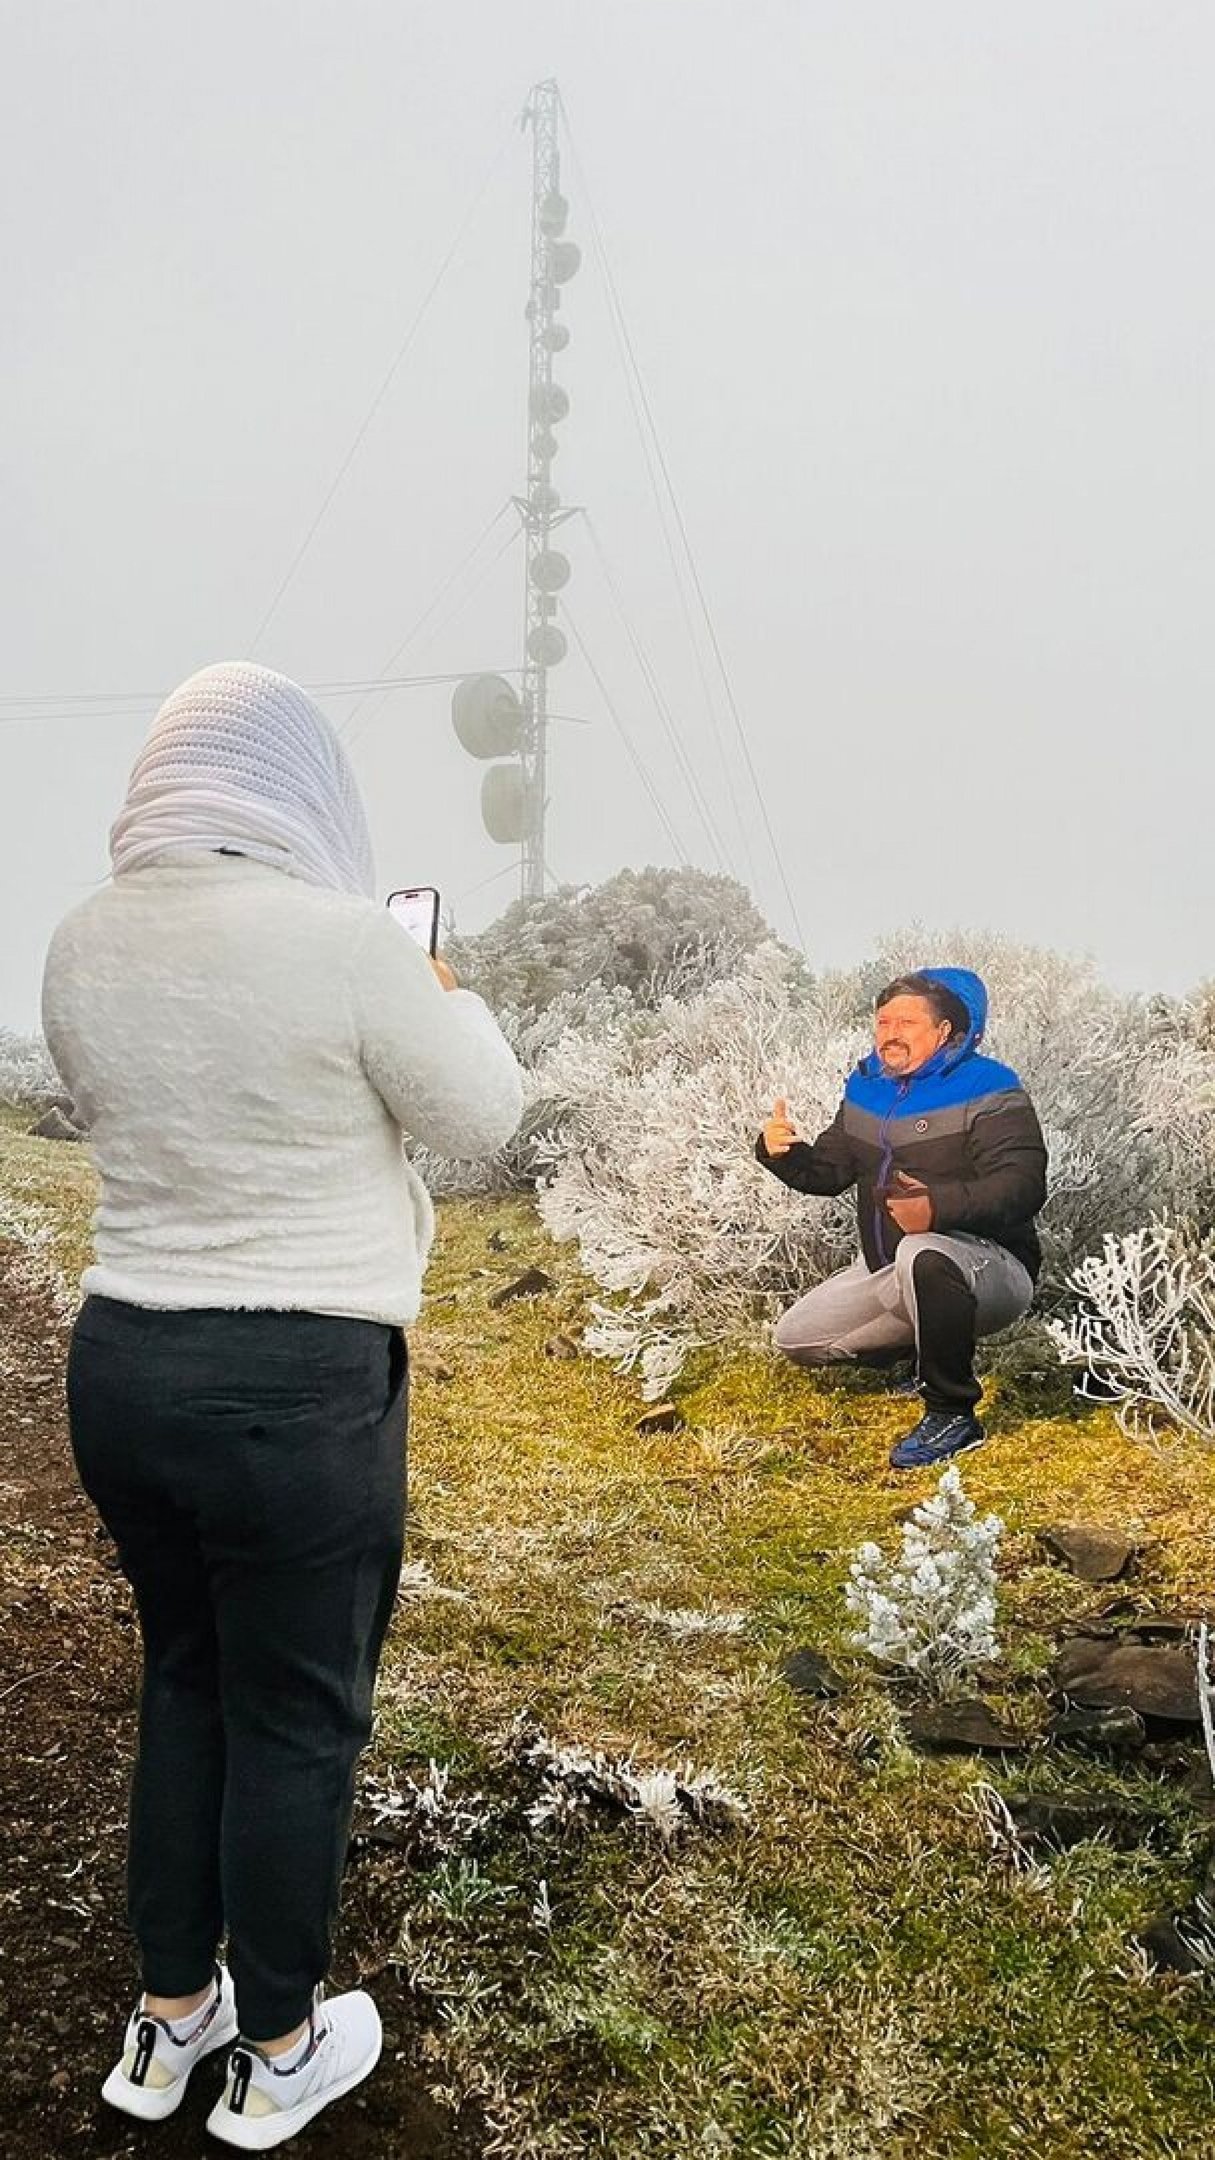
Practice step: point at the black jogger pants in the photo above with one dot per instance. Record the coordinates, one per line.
(250, 1467)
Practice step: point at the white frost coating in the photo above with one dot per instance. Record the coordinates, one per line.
(643, 1126)
(931, 1611)
(1146, 1327)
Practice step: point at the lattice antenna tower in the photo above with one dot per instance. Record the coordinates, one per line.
(492, 720)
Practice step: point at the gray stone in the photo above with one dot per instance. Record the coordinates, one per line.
(561, 1346)
(664, 1417)
(965, 1725)
(1158, 1679)
(55, 1126)
(1063, 1822)
(1184, 1942)
(1117, 1731)
(807, 1672)
(1168, 1948)
(532, 1283)
(1094, 1554)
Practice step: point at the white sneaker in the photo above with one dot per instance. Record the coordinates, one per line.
(263, 2106)
(150, 2081)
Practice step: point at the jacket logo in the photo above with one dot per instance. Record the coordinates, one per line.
(921, 1124)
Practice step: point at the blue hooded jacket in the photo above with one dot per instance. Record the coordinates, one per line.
(962, 1125)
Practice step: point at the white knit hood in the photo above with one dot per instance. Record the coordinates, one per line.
(240, 758)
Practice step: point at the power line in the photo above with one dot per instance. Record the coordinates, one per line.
(615, 316)
(639, 767)
(376, 402)
(467, 558)
(731, 700)
(495, 878)
(443, 624)
(129, 705)
(663, 709)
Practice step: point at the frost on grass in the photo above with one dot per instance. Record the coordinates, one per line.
(1146, 1328)
(685, 1622)
(576, 1783)
(417, 1585)
(30, 1227)
(931, 1611)
(425, 1819)
(561, 1786)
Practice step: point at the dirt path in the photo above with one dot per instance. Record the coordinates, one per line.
(69, 1671)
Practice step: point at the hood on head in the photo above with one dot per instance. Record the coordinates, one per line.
(972, 992)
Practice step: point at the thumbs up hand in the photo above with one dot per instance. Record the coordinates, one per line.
(780, 1131)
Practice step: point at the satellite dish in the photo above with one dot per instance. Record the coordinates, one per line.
(552, 215)
(546, 644)
(503, 806)
(487, 716)
(545, 445)
(556, 337)
(564, 260)
(549, 402)
(544, 498)
(550, 571)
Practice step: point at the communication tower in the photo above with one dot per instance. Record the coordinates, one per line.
(494, 721)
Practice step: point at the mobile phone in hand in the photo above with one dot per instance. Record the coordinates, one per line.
(416, 908)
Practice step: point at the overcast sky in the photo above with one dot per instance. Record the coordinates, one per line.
(922, 296)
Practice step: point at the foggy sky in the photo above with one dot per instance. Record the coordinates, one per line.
(923, 300)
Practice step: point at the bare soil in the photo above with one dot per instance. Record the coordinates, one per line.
(69, 1677)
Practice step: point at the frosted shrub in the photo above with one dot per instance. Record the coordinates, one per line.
(643, 931)
(562, 1050)
(651, 1165)
(1146, 1327)
(650, 1149)
(27, 1075)
(931, 1611)
(642, 1102)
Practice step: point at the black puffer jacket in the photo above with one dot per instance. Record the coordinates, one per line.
(963, 1125)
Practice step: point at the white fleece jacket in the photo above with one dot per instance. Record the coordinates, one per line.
(246, 1050)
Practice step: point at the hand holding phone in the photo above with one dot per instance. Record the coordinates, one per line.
(416, 908)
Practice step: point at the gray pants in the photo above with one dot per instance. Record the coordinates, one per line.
(860, 1316)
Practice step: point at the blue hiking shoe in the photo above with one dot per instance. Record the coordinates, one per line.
(904, 1390)
(939, 1436)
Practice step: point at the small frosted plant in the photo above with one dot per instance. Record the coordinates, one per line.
(932, 1610)
(1146, 1327)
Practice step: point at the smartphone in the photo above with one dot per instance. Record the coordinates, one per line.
(416, 908)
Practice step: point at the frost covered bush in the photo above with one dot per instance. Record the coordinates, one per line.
(932, 1610)
(560, 1049)
(651, 1121)
(1146, 1327)
(643, 1096)
(651, 1168)
(636, 932)
(27, 1075)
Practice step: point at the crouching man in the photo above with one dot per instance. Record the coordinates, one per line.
(947, 1155)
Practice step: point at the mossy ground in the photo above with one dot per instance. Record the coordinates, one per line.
(853, 1975)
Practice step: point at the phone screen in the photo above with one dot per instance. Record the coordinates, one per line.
(416, 908)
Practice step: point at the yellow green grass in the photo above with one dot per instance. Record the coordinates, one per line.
(853, 1975)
